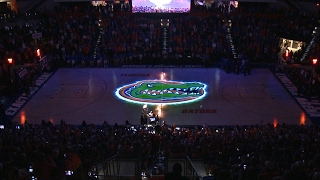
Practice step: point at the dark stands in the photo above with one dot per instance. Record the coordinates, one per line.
(84, 36)
(285, 151)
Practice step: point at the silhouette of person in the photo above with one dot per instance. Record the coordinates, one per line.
(144, 115)
(143, 120)
(176, 173)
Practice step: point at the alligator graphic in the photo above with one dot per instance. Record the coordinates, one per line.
(162, 92)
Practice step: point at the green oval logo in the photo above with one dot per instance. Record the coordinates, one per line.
(162, 92)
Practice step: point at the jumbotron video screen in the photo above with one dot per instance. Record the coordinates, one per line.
(161, 6)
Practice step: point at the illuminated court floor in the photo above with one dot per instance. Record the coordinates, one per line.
(77, 95)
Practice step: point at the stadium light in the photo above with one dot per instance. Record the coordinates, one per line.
(314, 61)
(287, 53)
(38, 53)
(10, 60)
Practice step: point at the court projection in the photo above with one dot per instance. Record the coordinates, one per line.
(160, 6)
(162, 92)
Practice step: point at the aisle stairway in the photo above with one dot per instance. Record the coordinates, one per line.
(307, 52)
(164, 37)
(97, 51)
(229, 35)
(164, 33)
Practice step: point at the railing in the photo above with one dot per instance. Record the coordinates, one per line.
(117, 177)
(194, 173)
(161, 177)
(188, 168)
(107, 167)
(110, 169)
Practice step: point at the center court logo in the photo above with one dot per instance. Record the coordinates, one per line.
(162, 92)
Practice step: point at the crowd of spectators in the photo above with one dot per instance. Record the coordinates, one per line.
(286, 152)
(305, 80)
(253, 152)
(258, 36)
(135, 39)
(64, 31)
(73, 40)
(74, 33)
(255, 37)
(256, 33)
(16, 44)
(200, 39)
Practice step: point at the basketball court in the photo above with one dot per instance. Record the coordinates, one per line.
(92, 95)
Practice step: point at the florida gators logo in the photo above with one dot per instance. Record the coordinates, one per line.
(162, 92)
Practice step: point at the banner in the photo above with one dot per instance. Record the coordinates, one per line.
(36, 35)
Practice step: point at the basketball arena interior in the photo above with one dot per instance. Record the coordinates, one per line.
(159, 89)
